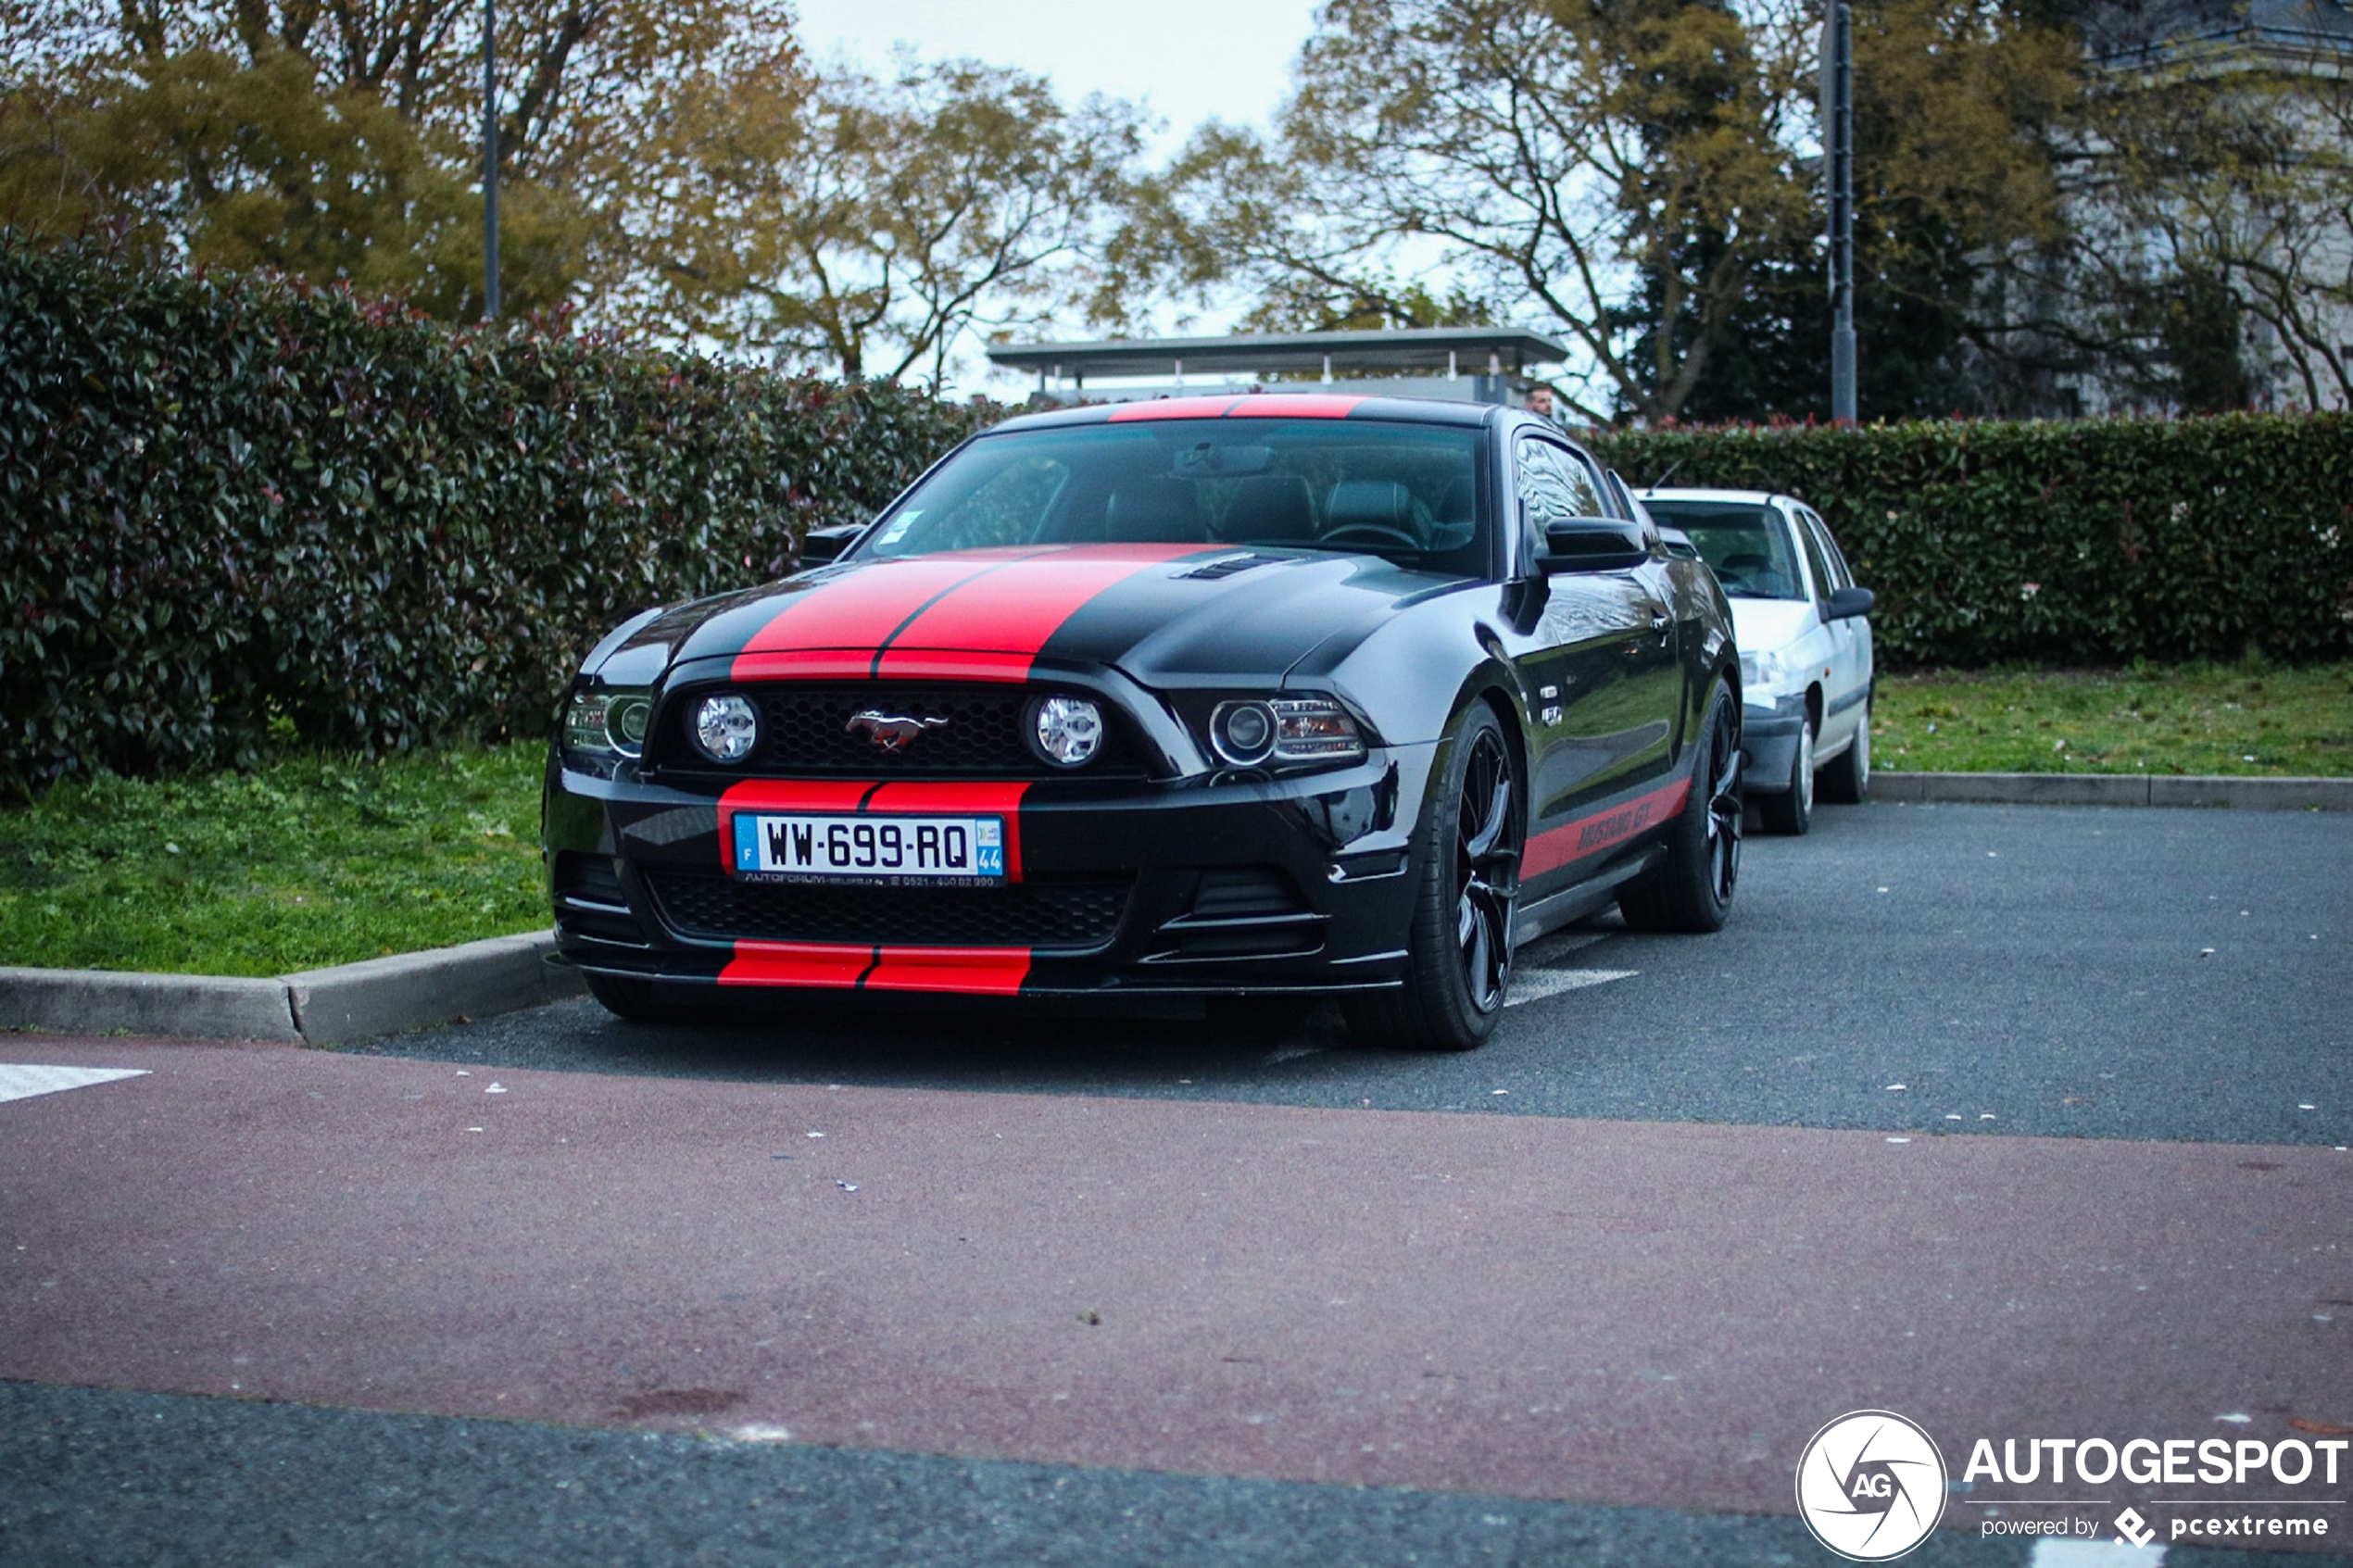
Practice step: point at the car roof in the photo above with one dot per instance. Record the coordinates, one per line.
(1321, 405)
(1749, 497)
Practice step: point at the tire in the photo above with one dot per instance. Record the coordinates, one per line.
(1792, 812)
(641, 1001)
(1692, 891)
(1458, 960)
(1846, 779)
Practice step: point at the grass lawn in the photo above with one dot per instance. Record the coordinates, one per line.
(2177, 719)
(309, 861)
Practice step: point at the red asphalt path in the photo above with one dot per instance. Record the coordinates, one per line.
(1627, 1312)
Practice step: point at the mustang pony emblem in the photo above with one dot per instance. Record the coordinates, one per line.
(890, 731)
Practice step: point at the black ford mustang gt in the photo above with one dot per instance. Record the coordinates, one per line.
(1204, 696)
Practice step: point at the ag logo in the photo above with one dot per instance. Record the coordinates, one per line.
(1871, 1486)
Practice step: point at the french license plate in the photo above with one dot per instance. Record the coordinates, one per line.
(871, 848)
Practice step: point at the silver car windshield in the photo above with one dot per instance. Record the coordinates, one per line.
(1406, 491)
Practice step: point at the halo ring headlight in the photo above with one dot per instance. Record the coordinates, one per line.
(1242, 733)
(726, 727)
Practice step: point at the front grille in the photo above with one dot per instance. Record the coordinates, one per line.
(805, 733)
(1019, 914)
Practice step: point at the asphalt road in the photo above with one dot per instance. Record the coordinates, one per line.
(2065, 973)
(282, 1307)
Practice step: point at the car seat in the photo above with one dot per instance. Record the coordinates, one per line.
(1270, 509)
(1155, 511)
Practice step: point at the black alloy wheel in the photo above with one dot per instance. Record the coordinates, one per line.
(1486, 871)
(1458, 962)
(1692, 891)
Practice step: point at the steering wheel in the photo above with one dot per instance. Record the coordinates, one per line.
(1377, 537)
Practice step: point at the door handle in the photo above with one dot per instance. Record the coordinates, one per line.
(1662, 624)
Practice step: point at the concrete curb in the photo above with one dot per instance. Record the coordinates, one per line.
(318, 1007)
(2115, 789)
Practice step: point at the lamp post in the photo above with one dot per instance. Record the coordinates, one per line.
(489, 160)
(1837, 102)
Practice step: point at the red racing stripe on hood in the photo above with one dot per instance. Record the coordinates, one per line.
(854, 613)
(1008, 616)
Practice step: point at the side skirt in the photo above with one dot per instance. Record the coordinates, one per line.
(1554, 911)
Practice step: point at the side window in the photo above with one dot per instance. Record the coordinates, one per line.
(1841, 575)
(1819, 566)
(1553, 484)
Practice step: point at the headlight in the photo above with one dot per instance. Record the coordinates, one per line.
(606, 721)
(1067, 731)
(1286, 729)
(1764, 672)
(725, 727)
(1242, 733)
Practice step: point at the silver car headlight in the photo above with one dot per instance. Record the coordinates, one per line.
(1284, 730)
(1765, 676)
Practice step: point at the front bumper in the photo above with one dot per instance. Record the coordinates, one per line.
(1221, 885)
(1768, 746)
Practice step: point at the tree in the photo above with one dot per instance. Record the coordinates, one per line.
(1630, 173)
(864, 224)
(1540, 159)
(2215, 194)
(337, 140)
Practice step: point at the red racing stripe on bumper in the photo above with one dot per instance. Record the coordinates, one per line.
(981, 799)
(1555, 847)
(834, 965)
(997, 625)
(971, 972)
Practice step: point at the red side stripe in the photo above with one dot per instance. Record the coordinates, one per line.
(984, 972)
(797, 964)
(1555, 847)
(1294, 406)
(857, 610)
(1014, 612)
(1173, 409)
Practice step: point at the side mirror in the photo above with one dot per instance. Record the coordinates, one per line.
(1593, 543)
(822, 544)
(1844, 604)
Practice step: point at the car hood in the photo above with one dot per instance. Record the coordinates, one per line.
(1762, 625)
(1156, 611)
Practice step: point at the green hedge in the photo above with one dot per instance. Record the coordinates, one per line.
(228, 501)
(2092, 542)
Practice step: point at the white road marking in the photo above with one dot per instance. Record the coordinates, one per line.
(2110, 1553)
(1291, 1053)
(23, 1083)
(1535, 984)
(1559, 944)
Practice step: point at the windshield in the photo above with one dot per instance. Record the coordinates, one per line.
(1406, 491)
(1747, 544)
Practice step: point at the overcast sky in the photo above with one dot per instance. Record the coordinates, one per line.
(1191, 61)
